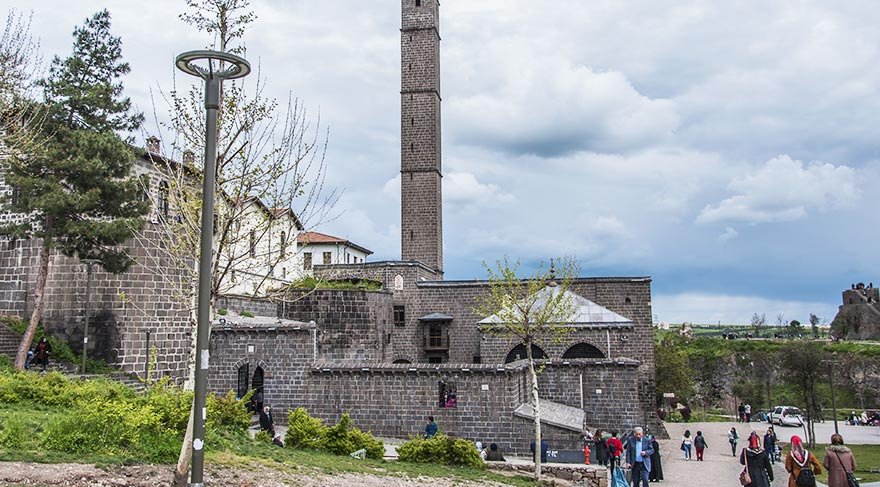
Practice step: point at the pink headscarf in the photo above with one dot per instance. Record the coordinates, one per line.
(797, 450)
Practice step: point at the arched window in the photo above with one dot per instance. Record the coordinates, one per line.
(402, 361)
(519, 353)
(257, 381)
(583, 350)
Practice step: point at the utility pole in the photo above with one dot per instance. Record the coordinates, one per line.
(89, 263)
(220, 66)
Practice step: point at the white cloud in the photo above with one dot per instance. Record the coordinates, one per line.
(712, 308)
(575, 109)
(784, 189)
(729, 234)
(463, 187)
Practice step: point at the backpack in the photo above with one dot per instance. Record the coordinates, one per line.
(805, 478)
(612, 448)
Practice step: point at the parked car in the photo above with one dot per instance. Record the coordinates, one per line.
(786, 416)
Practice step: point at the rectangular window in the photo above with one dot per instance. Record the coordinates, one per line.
(448, 397)
(283, 244)
(328, 258)
(253, 243)
(399, 315)
(478, 359)
(307, 261)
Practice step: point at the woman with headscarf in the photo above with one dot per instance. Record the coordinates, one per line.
(656, 474)
(757, 463)
(839, 461)
(800, 459)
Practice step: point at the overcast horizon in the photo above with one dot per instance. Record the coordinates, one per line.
(726, 150)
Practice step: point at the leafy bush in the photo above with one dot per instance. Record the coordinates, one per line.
(228, 412)
(441, 449)
(222, 312)
(342, 439)
(246, 314)
(304, 431)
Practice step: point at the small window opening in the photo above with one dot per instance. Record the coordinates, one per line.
(411, 235)
(448, 398)
(399, 315)
(418, 3)
(478, 359)
(629, 301)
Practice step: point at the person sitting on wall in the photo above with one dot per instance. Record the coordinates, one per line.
(42, 352)
(430, 428)
(267, 422)
(494, 454)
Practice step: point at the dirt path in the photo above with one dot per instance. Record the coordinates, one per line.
(78, 475)
(719, 467)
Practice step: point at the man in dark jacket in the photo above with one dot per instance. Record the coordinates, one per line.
(770, 444)
(638, 456)
(267, 422)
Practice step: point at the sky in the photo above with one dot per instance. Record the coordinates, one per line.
(728, 150)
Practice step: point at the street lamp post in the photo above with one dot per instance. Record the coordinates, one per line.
(228, 66)
(89, 263)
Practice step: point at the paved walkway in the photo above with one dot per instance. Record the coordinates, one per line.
(720, 468)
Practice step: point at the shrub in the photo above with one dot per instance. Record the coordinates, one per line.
(441, 449)
(228, 413)
(362, 439)
(304, 431)
(222, 312)
(342, 439)
(247, 314)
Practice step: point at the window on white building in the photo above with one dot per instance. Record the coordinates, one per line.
(307, 261)
(328, 258)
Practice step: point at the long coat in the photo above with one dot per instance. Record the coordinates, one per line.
(793, 469)
(760, 469)
(656, 462)
(837, 469)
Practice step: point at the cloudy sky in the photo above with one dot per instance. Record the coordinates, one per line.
(729, 150)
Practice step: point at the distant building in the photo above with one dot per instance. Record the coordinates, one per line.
(320, 249)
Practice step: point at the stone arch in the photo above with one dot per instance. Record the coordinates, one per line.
(519, 353)
(583, 350)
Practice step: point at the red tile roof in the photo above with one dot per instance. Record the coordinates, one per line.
(306, 238)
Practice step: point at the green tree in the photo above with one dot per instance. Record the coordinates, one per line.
(75, 192)
(672, 371)
(802, 366)
(530, 310)
(795, 328)
(758, 323)
(814, 324)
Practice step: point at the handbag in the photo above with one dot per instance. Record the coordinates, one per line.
(744, 477)
(850, 478)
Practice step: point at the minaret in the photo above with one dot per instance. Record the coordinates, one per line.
(420, 177)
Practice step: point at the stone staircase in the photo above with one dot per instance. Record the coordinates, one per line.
(9, 341)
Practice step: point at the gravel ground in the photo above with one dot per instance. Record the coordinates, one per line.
(78, 475)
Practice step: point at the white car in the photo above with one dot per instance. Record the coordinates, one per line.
(786, 416)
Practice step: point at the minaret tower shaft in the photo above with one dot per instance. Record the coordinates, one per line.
(421, 177)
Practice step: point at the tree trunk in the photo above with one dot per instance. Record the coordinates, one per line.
(182, 470)
(37, 314)
(536, 408)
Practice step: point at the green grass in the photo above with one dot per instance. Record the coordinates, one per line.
(230, 450)
(867, 456)
(313, 283)
(245, 452)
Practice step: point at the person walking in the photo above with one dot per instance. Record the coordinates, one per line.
(600, 449)
(770, 444)
(700, 445)
(732, 438)
(756, 463)
(430, 428)
(741, 412)
(615, 449)
(800, 460)
(638, 457)
(748, 413)
(656, 474)
(839, 461)
(686, 444)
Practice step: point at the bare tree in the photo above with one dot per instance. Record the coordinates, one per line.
(20, 65)
(270, 179)
(529, 310)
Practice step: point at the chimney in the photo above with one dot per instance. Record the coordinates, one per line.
(153, 144)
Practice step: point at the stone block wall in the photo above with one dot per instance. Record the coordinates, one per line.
(124, 307)
(353, 325)
(283, 353)
(238, 303)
